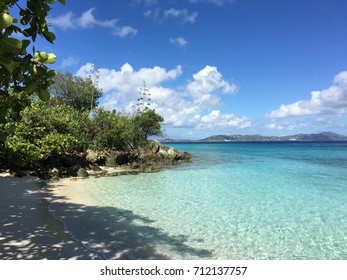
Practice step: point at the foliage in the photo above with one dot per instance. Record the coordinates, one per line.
(109, 129)
(146, 120)
(45, 130)
(80, 93)
(19, 69)
(148, 123)
(31, 129)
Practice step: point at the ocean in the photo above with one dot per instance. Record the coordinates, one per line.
(261, 200)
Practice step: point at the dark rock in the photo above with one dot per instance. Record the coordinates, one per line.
(82, 173)
(20, 174)
(74, 160)
(111, 159)
(122, 158)
(116, 158)
(185, 156)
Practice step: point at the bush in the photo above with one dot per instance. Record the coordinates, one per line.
(45, 130)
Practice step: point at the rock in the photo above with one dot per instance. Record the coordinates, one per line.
(135, 165)
(20, 174)
(172, 153)
(96, 157)
(163, 153)
(184, 157)
(155, 146)
(54, 173)
(95, 168)
(92, 156)
(82, 173)
(111, 159)
(115, 158)
(122, 158)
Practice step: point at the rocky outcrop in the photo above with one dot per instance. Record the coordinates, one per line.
(150, 158)
(109, 158)
(154, 156)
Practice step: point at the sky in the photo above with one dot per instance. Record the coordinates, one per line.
(270, 67)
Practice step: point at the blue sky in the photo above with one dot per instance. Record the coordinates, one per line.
(273, 67)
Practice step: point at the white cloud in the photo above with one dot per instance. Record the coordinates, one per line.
(216, 2)
(144, 2)
(207, 81)
(183, 13)
(69, 61)
(332, 100)
(125, 31)
(284, 126)
(179, 41)
(87, 20)
(189, 105)
(216, 119)
(126, 81)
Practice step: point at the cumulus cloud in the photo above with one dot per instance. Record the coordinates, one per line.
(87, 20)
(216, 119)
(332, 100)
(189, 105)
(179, 41)
(126, 80)
(209, 80)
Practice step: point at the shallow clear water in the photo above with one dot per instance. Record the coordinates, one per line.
(234, 201)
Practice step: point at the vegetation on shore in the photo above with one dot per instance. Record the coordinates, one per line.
(68, 124)
(48, 118)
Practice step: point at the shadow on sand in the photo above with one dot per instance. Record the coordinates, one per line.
(32, 228)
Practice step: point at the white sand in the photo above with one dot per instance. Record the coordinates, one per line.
(27, 229)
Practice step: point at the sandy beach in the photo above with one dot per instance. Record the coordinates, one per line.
(27, 229)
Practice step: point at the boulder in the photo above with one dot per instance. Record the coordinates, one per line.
(92, 156)
(20, 173)
(185, 156)
(122, 158)
(172, 153)
(111, 159)
(54, 173)
(81, 172)
(155, 146)
(115, 158)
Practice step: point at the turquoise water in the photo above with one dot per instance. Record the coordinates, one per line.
(234, 201)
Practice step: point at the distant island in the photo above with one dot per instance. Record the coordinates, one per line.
(323, 136)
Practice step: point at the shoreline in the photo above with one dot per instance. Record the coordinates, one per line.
(28, 229)
(33, 224)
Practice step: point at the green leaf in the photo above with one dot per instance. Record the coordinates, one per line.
(8, 63)
(51, 73)
(49, 36)
(44, 95)
(26, 43)
(13, 43)
(62, 1)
